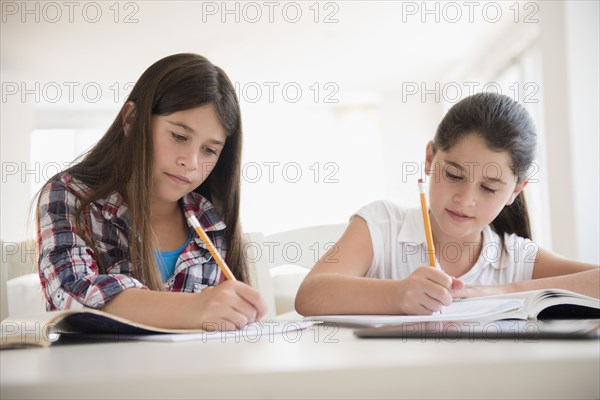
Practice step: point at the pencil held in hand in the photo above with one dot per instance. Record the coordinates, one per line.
(427, 224)
(220, 262)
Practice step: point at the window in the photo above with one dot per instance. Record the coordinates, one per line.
(53, 150)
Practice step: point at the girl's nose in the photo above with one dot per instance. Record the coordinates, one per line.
(465, 197)
(188, 160)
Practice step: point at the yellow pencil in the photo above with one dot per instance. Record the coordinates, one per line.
(220, 262)
(427, 223)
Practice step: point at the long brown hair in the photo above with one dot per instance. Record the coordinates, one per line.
(504, 125)
(174, 83)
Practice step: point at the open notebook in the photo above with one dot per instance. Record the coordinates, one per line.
(90, 325)
(536, 304)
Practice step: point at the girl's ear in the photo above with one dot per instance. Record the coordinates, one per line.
(428, 157)
(518, 189)
(127, 116)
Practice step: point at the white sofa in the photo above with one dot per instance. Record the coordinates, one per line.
(20, 288)
(279, 262)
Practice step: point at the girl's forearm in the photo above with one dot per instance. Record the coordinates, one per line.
(332, 293)
(159, 309)
(586, 282)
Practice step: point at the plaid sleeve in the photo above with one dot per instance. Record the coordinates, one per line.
(67, 265)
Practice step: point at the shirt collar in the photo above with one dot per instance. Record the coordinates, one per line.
(195, 204)
(413, 232)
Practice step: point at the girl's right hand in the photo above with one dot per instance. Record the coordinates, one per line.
(426, 291)
(227, 306)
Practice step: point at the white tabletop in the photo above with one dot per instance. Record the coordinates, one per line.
(319, 362)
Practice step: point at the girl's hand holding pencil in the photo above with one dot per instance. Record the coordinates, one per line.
(232, 304)
(432, 285)
(228, 306)
(426, 291)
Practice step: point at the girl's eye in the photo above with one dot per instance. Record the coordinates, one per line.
(210, 151)
(487, 189)
(453, 177)
(178, 137)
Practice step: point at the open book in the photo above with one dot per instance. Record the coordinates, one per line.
(87, 324)
(535, 304)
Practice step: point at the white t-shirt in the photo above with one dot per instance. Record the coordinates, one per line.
(399, 248)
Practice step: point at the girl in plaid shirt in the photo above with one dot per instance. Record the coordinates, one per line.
(112, 229)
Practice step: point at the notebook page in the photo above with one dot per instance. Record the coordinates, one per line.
(459, 310)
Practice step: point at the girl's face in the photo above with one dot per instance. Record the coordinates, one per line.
(469, 186)
(187, 145)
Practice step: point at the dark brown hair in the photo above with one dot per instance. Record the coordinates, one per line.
(504, 125)
(175, 83)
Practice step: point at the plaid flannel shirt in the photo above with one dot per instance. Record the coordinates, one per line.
(68, 267)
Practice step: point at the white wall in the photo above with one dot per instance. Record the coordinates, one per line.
(583, 47)
(570, 46)
(16, 124)
(307, 164)
(408, 123)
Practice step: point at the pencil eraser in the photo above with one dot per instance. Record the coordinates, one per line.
(194, 221)
(420, 180)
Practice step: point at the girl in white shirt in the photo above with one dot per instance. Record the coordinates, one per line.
(476, 167)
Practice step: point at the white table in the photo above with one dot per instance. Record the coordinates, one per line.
(319, 362)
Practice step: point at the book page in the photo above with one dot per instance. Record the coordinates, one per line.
(29, 330)
(520, 305)
(89, 326)
(459, 310)
(553, 304)
(43, 329)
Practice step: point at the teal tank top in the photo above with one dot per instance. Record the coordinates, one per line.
(167, 260)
